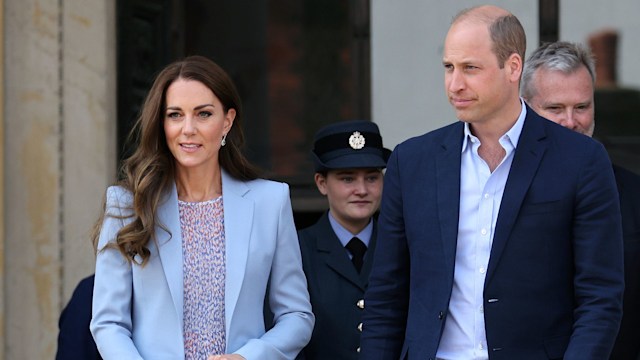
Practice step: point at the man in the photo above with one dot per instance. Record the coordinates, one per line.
(499, 236)
(337, 251)
(558, 83)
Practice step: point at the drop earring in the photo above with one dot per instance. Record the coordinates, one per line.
(224, 140)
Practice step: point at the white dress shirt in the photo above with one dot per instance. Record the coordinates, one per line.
(480, 197)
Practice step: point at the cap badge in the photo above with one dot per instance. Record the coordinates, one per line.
(356, 140)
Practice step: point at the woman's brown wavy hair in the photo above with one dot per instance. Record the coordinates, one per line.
(149, 172)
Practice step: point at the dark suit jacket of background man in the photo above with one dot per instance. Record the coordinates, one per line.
(560, 203)
(335, 288)
(627, 345)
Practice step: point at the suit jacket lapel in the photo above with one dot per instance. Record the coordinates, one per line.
(238, 220)
(448, 190)
(334, 254)
(527, 157)
(170, 247)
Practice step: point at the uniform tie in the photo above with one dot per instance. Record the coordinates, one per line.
(357, 249)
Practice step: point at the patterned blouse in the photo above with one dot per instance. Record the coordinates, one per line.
(204, 269)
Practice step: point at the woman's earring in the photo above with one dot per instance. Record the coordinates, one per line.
(224, 140)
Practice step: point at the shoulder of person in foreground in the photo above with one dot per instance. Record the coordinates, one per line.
(119, 202)
(425, 146)
(312, 230)
(435, 136)
(266, 186)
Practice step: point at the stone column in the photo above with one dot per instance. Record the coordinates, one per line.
(59, 146)
(89, 122)
(32, 178)
(2, 229)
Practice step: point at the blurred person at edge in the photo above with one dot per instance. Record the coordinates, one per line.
(74, 338)
(337, 251)
(191, 237)
(499, 235)
(558, 83)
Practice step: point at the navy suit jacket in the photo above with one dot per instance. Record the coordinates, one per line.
(554, 283)
(627, 346)
(74, 339)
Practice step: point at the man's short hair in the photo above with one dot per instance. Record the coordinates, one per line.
(560, 56)
(506, 31)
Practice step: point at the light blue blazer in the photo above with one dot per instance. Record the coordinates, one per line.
(138, 311)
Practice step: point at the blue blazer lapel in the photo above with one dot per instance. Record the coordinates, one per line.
(527, 157)
(238, 220)
(169, 242)
(448, 190)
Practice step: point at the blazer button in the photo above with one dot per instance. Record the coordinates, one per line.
(358, 349)
(360, 327)
(360, 304)
(440, 315)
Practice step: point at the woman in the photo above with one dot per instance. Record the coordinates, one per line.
(191, 238)
(337, 251)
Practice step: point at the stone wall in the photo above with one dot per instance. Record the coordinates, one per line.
(59, 155)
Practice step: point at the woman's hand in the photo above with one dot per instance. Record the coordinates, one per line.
(226, 357)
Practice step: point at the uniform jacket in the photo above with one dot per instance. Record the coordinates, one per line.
(627, 346)
(138, 311)
(554, 283)
(74, 339)
(336, 290)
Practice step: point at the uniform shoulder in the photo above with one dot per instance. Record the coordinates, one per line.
(311, 232)
(311, 229)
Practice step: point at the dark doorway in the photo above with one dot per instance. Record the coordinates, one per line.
(298, 65)
(548, 20)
